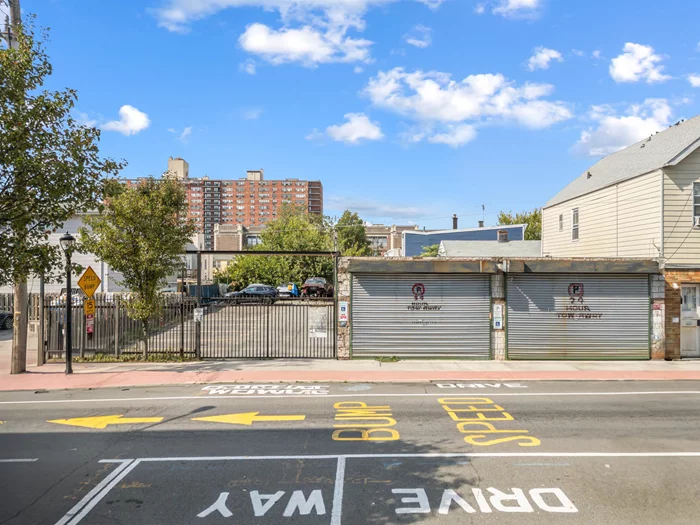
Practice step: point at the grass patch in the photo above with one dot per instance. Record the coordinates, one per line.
(388, 359)
(135, 358)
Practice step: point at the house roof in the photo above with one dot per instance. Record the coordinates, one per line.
(666, 148)
(485, 228)
(491, 249)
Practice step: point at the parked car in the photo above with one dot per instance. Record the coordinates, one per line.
(317, 287)
(288, 290)
(253, 293)
(77, 297)
(5, 320)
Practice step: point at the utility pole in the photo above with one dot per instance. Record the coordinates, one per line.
(21, 306)
(11, 22)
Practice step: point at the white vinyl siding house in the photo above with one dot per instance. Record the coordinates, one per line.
(681, 237)
(622, 220)
(641, 201)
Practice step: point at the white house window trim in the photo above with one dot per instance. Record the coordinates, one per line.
(696, 202)
(561, 222)
(575, 224)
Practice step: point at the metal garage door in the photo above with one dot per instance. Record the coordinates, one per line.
(421, 315)
(569, 316)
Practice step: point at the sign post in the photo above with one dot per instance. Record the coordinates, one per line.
(89, 283)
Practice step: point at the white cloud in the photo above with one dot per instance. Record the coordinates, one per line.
(311, 32)
(419, 36)
(578, 52)
(637, 62)
(432, 4)
(614, 132)
(516, 8)
(367, 208)
(357, 128)
(249, 66)
(252, 113)
(694, 80)
(480, 9)
(542, 57)
(83, 119)
(172, 130)
(455, 135)
(435, 99)
(307, 45)
(131, 121)
(358, 69)
(185, 133)
(596, 54)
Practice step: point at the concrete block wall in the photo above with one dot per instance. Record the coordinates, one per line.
(343, 292)
(658, 316)
(498, 336)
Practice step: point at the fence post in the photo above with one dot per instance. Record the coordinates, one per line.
(116, 325)
(267, 329)
(198, 326)
(40, 356)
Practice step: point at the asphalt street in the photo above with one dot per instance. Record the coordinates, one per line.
(433, 453)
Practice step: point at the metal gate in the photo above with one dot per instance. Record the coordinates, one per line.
(286, 329)
(421, 315)
(574, 316)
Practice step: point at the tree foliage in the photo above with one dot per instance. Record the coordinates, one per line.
(533, 219)
(430, 251)
(141, 234)
(50, 168)
(293, 230)
(352, 235)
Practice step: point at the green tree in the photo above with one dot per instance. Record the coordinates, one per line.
(50, 170)
(352, 235)
(141, 234)
(430, 251)
(293, 230)
(533, 219)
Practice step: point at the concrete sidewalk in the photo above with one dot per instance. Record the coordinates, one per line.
(101, 375)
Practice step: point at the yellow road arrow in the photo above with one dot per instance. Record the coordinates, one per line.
(247, 418)
(104, 421)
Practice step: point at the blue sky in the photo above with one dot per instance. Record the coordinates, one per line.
(407, 110)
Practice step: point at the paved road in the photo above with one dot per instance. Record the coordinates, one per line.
(526, 453)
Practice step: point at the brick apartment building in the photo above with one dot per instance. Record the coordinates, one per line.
(250, 202)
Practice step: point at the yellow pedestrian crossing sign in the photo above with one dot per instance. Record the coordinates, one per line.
(89, 282)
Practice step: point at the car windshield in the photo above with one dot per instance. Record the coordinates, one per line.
(316, 280)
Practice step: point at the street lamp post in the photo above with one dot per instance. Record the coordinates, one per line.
(67, 242)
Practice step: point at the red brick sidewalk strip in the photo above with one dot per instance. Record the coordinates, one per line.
(54, 380)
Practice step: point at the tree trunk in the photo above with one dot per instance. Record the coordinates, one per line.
(19, 328)
(145, 340)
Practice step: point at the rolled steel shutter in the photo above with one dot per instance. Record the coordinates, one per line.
(390, 319)
(569, 316)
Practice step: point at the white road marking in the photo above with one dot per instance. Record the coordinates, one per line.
(436, 455)
(441, 393)
(338, 492)
(94, 501)
(19, 460)
(96, 490)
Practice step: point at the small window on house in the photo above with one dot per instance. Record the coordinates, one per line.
(574, 224)
(561, 222)
(696, 202)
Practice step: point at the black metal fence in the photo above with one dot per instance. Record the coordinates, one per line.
(115, 333)
(292, 328)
